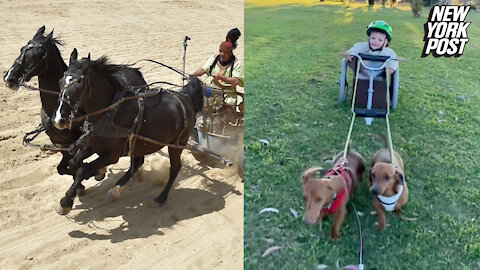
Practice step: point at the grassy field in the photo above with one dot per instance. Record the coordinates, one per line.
(291, 64)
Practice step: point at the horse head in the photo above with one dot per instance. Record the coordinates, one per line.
(75, 90)
(32, 60)
(80, 81)
(194, 90)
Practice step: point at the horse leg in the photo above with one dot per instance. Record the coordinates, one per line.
(100, 174)
(83, 153)
(75, 162)
(175, 166)
(62, 167)
(85, 171)
(114, 193)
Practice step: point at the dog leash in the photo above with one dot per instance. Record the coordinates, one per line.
(344, 159)
(360, 233)
(389, 133)
(360, 236)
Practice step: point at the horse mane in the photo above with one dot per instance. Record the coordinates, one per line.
(54, 41)
(103, 66)
(57, 41)
(118, 75)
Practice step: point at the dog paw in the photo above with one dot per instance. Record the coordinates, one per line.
(334, 236)
(381, 226)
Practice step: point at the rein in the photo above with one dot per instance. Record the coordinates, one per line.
(33, 88)
(123, 99)
(184, 74)
(27, 141)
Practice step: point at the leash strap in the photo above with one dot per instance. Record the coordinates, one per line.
(360, 236)
(344, 158)
(389, 134)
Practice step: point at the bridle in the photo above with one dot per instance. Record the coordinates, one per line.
(20, 61)
(68, 99)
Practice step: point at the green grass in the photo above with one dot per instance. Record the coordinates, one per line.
(291, 64)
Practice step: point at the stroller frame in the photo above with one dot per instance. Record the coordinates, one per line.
(369, 113)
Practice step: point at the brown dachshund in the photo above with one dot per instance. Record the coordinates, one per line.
(387, 184)
(330, 193)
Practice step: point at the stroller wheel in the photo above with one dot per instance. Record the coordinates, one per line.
(342, 82)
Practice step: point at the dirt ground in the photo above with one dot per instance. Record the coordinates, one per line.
(200, 227)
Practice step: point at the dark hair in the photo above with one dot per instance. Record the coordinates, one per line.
(233, 35)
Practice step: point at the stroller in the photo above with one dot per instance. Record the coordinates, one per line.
(370, 87)
(375, 92)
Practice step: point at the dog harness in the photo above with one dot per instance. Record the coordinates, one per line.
(390, 202)
(338, 198)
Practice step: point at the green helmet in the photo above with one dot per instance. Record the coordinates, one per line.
(380, 26)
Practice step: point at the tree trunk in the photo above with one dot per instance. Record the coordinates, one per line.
(416, 7)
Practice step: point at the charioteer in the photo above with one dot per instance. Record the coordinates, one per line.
(227, 73)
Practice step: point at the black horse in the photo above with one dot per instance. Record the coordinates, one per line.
(167, 117)
(41, 57)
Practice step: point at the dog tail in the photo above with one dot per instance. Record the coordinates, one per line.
(407, 218)
(309, 172)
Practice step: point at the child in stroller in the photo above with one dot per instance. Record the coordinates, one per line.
(379, 36)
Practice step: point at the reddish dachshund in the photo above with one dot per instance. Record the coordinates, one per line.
(330, 193)
(387, 184)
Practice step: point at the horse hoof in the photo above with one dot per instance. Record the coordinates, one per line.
(62, 211)
(81, 192)
(114, 193)
(159, 203)
(101, 174)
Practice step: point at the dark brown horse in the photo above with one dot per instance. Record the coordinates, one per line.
(168, 117)
(41, 57)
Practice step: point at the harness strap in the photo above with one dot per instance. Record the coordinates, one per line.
(389, 134)
(27, 141)
(20, 59)
(137, 124)
(389, 203)
(338, 197)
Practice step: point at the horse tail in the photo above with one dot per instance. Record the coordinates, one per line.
(194, 91)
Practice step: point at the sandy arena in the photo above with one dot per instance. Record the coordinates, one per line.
(201, 225)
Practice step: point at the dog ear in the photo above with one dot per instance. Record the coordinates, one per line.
(306, 175)
(400, 177)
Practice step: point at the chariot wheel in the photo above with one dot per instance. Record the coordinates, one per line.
(240, 166)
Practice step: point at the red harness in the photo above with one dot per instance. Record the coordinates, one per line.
(338, 198)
